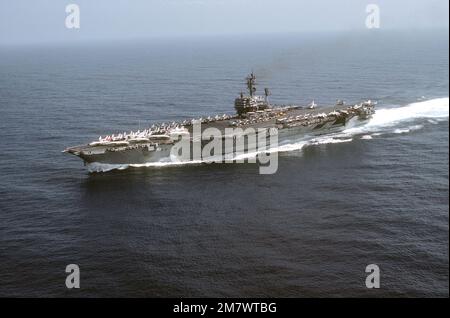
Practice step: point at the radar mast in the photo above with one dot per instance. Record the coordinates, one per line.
(251, 84)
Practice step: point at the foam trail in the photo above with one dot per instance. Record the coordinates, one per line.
(401, 131)
(329, 140)
(437, 108)
(105, 167)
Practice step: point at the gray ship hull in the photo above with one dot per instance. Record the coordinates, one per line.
(162, 152)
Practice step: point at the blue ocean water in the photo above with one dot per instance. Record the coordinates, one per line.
(381, 197)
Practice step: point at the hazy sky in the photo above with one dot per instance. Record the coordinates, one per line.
(26, 21)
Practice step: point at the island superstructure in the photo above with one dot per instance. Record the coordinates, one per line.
(154, 144)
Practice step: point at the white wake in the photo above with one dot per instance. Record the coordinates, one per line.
(385, 118)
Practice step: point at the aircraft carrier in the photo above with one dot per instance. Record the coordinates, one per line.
(154, 144)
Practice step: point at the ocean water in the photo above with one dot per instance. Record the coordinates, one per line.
(376, 194)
